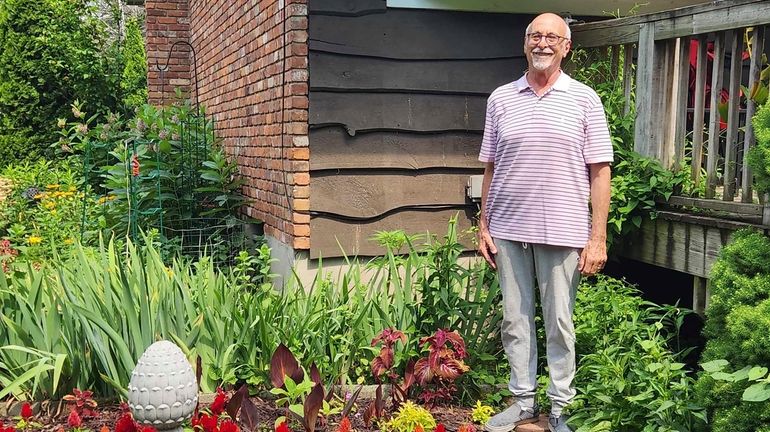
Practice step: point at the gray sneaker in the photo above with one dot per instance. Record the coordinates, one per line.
(558, 424)
(513, 416)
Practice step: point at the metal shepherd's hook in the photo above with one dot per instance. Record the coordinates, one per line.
(164, 68)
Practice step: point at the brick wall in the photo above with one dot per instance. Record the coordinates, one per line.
(259, 99)
(167, 21)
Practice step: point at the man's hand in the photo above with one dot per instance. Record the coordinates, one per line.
(487, 247)
(593, 257)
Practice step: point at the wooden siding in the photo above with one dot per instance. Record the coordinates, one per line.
(397, 102)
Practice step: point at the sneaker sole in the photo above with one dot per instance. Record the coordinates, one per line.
(509, 428)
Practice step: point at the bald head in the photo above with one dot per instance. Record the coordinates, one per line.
(553, 21)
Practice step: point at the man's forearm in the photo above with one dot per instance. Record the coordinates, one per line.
(600, 199)
(489, 169)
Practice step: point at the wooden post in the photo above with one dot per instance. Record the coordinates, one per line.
(766, 211)
(716, 88)
(682, 86)
(628, 76)
(731, 144)
(700, 295)
(699, 113)
(643, 133)
(665, 99)
(757, 48)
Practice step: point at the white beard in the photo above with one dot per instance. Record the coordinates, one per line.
(541, 63)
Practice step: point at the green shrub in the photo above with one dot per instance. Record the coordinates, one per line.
(759, 155)
(628, 379)
(133, 83)
(44, 210)
(51, 53)
(737, 319)
(408, 417)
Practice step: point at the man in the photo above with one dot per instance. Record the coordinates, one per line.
(547, 151)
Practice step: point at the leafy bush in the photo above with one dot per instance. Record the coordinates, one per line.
(133, 83)
(759, 155)
(51, 52)
(408, 418)
(43, 210)
(637, 181)
(627, 377)
(737, 319)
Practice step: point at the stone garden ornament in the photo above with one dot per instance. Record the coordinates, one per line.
(163, 391)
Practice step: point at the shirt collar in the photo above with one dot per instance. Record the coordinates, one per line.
(561, 84)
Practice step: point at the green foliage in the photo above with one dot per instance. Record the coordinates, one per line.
(133, 82)
(43, 210)
(627, 378)
(408, 417)
(759, 155)
(51, 52)
(759, 391)
(736, 329)
(637, 182)
(481, 413)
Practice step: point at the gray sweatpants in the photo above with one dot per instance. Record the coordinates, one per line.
(556, 270)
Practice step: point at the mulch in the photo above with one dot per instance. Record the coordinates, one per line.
(55, 419)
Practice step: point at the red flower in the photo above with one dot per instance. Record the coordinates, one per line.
(147, 429)
(74, 419)
(125, 423)
(283, 427)
(440, 428)
(26, 411)
(134, 165)
(466, 427)
(6, 429)
(419, 428)
(219, 402)
(344, 425)
(228, 426)
(209, 423)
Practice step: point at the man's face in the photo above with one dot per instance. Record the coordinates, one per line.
(545, 44)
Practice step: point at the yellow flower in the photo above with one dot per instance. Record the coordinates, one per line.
(101, 200)
(39, 196)
(52, 186)
(69, 241)
(34, 240)
(169, 272)
(73, 189)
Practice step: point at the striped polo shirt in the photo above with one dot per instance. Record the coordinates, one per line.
(541, 148)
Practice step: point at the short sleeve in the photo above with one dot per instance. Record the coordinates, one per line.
(598, 145)
(489, 142)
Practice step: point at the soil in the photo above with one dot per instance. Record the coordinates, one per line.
(55, 419)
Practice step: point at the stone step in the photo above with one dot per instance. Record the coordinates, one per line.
(540, 426)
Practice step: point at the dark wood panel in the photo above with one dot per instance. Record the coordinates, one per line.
(397, 111)
(355, 238)
(374, 194)
(420, 34)
(332, 148)
(343, 72)
(346, 7)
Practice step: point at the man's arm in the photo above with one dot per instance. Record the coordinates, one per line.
(594, 255)
(486, 245)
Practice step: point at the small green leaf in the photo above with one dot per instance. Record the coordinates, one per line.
(714, 365)
(757, 372)
(758, 392)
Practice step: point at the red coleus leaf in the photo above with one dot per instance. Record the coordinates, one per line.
(74, 419)
(450, 369)
(26, 411)
(218, 406)
(283, 364)
(389, 336)
(422, 371)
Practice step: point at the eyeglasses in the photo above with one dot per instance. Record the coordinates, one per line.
(550, 39)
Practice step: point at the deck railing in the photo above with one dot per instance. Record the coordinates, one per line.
(686, 68)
